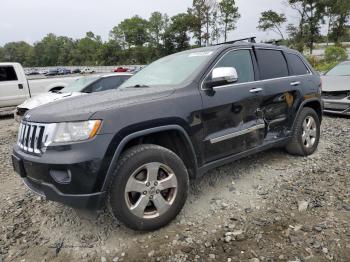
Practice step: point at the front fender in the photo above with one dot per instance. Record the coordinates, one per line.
(137, 134)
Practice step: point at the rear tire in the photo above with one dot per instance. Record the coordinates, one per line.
(149, 187)
(306, 133)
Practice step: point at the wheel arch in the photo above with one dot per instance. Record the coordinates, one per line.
(156, 133)
(315, 104)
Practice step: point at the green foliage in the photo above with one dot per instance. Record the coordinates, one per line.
(229, 16)
(157, 24)
(270, 20)
(197, 19)
(176, 35)
(335, 54)
(18, 51)
(131, 31)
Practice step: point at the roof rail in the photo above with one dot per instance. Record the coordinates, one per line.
(250, 40)
(274, 42)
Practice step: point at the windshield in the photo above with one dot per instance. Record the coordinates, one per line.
(79, 84)
(340, 70)
(171, 70)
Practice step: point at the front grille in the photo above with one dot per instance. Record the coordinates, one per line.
(34, 137)
(335, 95)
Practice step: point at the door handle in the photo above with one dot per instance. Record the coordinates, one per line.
(295, 83)
(256, 90)
(20, 86)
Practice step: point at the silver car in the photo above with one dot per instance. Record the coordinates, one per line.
(336, 89)
(81, 86)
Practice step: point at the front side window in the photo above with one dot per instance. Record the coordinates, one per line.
(79, 84)
(272, 64)
(7, 73)
(241, 60)
(297, 66)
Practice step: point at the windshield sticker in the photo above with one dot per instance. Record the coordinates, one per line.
(200, 54)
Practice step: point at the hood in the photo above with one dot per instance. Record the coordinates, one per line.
(46, 98)
(335, 83)
(84, 107)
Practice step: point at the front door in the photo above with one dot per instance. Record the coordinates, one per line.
(230, 113)
(12, 92)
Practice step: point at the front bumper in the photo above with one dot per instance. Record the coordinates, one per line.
(337, 106)
(70, 174)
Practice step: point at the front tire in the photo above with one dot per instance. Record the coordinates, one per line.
(149, 187)
(306, 133)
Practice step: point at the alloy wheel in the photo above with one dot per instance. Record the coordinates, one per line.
(151, 190)
(309, 132)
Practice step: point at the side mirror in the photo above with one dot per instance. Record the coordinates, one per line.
(222, 76)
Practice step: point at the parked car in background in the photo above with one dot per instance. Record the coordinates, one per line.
(52, 72)
(135, 69)
(43, 71)
(76, 71)
(120, 69)
(64, 71)
(32, 72)
(81, 86)
(16, 88)
(87, 70)
(137, 147)
(336, 89)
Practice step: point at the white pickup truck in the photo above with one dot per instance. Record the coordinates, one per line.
(15, 88)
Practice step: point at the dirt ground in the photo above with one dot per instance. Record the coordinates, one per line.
(267, 207)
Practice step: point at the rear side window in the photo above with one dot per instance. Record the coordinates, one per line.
(296, 65)
(7, 73)
(272, 64)
(241, 60)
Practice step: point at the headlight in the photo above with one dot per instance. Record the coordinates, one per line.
(76, 131)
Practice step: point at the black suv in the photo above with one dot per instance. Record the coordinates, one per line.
(138, 146)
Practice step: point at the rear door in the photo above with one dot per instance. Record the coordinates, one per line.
(12, 91)
(278, 99)
(230, 112)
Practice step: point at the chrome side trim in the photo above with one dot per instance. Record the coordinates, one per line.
(236, 134)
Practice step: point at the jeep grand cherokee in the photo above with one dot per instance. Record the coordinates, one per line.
(137, 147)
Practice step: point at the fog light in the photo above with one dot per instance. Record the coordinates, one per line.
(61, 176)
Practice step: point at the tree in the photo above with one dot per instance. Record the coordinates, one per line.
(2, 59)
(197, 19)
(270, 20)
(176, 37)
(311, 13)
(17, 52)
(157, 24)
(132, 31)
(87, 50)
(339, 15)
(215, 27)
(228, 16)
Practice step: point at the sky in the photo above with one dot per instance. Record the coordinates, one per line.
(31, 20)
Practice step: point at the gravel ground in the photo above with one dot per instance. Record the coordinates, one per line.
(267, 207)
